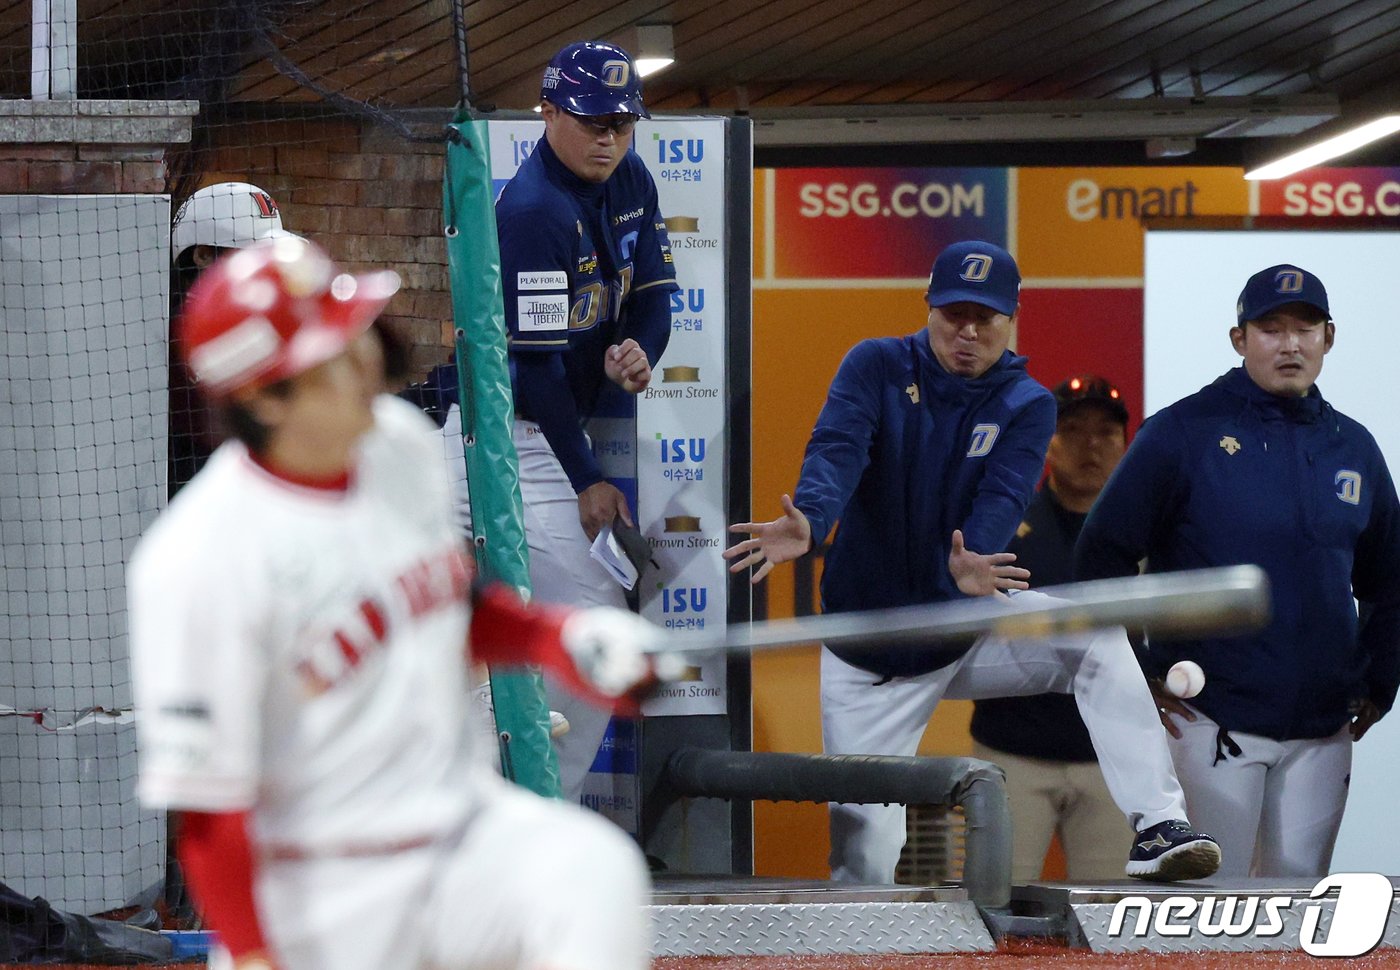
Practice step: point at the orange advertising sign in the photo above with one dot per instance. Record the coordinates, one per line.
(1086, 223)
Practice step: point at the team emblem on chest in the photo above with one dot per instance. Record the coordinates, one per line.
(1348, 485)
(983, 437)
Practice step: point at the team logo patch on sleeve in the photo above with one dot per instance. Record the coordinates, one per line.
(542, 312)
(542, 301)
(983, 437)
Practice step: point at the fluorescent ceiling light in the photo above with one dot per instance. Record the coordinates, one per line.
(1347, 141)
(650, 65)
(655, 48)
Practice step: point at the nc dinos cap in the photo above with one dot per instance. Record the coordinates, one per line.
(1271, 288)
(975, 272)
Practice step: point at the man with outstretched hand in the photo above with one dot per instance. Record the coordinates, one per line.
(927, 451)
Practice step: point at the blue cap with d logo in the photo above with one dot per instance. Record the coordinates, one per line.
(593, 78)
(975, 272)
(1271, 288)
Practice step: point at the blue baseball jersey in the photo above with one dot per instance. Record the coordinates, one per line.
(1231, 475)
(573, 255)
(903, 453)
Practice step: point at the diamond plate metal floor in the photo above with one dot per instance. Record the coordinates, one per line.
(1238, 915)
(754, 916)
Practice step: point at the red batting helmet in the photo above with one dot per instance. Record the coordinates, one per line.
(272, 311)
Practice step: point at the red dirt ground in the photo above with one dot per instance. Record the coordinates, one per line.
(1023, 955)
(1012, 955)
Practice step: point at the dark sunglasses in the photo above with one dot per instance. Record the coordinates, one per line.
(603, 124)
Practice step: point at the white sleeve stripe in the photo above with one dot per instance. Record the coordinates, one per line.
(197, 794)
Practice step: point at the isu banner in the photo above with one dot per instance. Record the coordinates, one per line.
(681, 435)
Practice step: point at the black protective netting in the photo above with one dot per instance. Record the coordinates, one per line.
(336, 112)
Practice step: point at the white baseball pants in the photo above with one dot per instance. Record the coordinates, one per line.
(1275, 808)
(562, 571)
(860, 716)
(531, 884)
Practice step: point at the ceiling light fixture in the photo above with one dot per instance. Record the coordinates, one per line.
(655, 48)
(1171, 119)
(1347, 141)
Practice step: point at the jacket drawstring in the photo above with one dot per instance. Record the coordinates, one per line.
(1225, 746)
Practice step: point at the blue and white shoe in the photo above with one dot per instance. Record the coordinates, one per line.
(1171, 851)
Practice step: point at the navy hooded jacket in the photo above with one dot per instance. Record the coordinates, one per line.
(903, 453)
(1233, 474)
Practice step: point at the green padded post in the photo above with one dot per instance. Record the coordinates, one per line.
(493, 474)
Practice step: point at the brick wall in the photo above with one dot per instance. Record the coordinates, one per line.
(372, 198)
(69, 147)
(81, 169)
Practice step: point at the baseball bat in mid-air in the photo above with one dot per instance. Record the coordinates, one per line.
(1230, 599)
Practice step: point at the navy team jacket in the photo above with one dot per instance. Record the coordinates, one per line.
(903, 453)
(583, 265)
(1231, 475)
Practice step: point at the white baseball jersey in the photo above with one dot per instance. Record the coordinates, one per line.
(302, 651)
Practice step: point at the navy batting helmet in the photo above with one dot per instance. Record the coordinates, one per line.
(593, 78)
